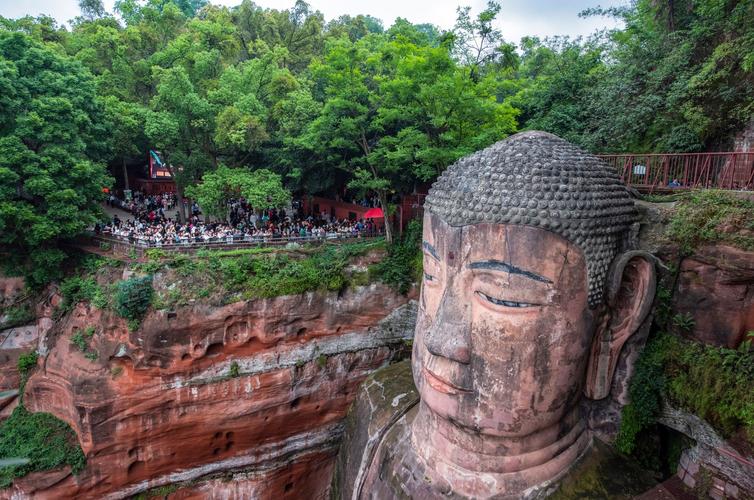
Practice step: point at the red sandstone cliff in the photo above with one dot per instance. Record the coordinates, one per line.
(159, 406)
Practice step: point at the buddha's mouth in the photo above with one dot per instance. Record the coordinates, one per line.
(441, 385)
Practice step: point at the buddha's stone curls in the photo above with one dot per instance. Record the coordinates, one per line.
(537, 179)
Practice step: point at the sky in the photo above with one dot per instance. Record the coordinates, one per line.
(540, 18)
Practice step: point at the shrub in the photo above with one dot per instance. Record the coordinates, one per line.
(235, 370)
(101, 299)
(402, 266)
(156, 254)
(26, 362)
(684, 322)
(77, 289)
(321, 360)
(645, 392)
(715, 384)
(711, 382)
(45, 441)
(44, 265)
(133, 296)
(81, 340)
(183, 265)
(710, 216)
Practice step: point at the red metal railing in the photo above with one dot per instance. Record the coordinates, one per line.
(667, 171)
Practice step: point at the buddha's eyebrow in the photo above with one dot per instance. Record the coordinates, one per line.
(429, 248)
(498, 265)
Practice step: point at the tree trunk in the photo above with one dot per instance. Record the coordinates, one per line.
(178, 190)
(181, 208)
(125, 174)
(388, 228)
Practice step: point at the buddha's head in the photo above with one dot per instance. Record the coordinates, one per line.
(529, 292)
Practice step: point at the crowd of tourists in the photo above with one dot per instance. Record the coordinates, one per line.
(149, 225)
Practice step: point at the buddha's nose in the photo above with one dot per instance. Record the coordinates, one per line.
(448, 336)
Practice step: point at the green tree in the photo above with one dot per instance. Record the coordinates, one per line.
(476, 39)
(51, 132)
(126, 122)
(261, 188)
(394, 113)
(92, 9)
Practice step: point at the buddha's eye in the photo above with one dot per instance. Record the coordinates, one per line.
(505, 303)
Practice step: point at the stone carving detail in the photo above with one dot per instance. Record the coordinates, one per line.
(529, 295)
(537, 179)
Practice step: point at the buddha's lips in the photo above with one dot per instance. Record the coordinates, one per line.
(442, 385)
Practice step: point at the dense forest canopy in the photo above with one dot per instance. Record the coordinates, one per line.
(342, 104)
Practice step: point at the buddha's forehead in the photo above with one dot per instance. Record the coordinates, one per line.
(531, 247)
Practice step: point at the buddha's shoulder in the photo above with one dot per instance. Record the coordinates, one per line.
(382, 400)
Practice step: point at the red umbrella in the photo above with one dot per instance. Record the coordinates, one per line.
(374, 213)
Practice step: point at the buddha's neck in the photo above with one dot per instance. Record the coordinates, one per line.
(445, 446)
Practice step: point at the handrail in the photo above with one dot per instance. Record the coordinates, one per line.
(670, 171)
(236, 242)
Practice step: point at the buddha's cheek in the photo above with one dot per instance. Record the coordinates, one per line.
(527, 370)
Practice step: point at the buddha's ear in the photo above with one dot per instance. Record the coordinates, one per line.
(629, 293)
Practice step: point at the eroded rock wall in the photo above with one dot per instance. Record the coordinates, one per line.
(253, 390)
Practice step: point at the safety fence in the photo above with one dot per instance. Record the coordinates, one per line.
(670, 171)
(136, 248)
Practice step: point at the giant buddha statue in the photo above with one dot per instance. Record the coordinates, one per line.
(529, 293)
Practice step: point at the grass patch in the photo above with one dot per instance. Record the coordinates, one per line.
(711, 382)
(81, 340)
(712, 216)
(26, 362)
(18, 315)
(665, 197)
(44, 440)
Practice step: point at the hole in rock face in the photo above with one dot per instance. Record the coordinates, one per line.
(132, 452)
(229, 445)
(197, 348)
(229, 435)
(295, 402)
(214, 349)
(288, 487)
(317, 408)
(172, 315)
(217, 435)
(266, 418)
(155, 361)
(185, 357)
(300, 331)
(136, 469)
(216, 451)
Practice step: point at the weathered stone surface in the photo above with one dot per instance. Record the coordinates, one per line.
(11, 289)
(158, 406)
(382, 399)
(716, 288)
(300, 477)
(15, 342)
(711, 452)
